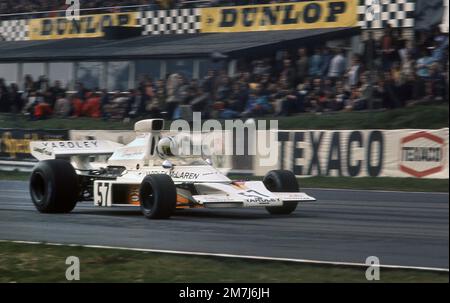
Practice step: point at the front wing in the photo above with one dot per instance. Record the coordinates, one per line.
(244, 194)
(216, 200)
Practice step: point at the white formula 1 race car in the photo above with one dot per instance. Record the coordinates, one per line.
(146, 173)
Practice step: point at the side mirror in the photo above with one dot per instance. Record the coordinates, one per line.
(208, 161)
(167, 164)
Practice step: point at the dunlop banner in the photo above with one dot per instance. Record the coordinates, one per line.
(288, 16)
(87, 27)
(15, 143)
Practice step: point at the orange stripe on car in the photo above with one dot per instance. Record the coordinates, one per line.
(181, 199)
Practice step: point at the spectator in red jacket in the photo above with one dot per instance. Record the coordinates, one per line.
(92, 106)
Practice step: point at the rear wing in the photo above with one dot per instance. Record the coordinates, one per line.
(46, 150)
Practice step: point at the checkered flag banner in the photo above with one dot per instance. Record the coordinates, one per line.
(175, 21)
(444, 24)
(379, 13)
(372, 14)
(14, 30)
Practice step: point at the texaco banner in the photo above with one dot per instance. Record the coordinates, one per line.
(361, 153)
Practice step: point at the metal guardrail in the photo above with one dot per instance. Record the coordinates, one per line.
(22, 166)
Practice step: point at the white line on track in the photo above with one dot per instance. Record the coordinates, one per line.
(13, 191)
(180, 252)
(376, 190)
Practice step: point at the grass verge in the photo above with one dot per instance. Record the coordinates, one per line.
(46, 263)
(368, 183)
(14, 175)
(420, 116)
(379, 183)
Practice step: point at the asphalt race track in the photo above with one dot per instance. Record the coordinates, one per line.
(408, 229)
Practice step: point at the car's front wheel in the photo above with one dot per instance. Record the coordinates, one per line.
(158, 196)
(281, 181)
(54, 186)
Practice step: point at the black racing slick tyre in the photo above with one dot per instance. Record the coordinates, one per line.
(158, 196)
(281, 181)
(54, 186)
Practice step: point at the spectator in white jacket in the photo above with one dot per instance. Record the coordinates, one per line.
(337, 65)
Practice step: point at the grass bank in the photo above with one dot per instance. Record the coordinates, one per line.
(421, 116)
(14, 175)
(46, 263)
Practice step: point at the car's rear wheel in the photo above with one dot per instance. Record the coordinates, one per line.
(158, 196)
(54, 186)
(281, 181)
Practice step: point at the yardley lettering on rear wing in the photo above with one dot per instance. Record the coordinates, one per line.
(71, 144)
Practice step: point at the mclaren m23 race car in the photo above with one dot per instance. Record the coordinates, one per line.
(146, 174)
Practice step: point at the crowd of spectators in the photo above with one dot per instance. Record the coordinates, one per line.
(389, 72)
(52, 8)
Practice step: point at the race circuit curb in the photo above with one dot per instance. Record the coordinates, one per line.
(205, 254)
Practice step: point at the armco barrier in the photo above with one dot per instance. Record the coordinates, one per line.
(23, 166)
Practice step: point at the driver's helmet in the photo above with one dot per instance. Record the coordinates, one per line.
(167, 147)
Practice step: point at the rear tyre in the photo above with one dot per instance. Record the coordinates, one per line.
(158, 196)
(54, 186)
(281, 181)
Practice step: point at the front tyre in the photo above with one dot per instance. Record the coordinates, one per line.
(158, 196)
(281, 181)
(54, 186)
